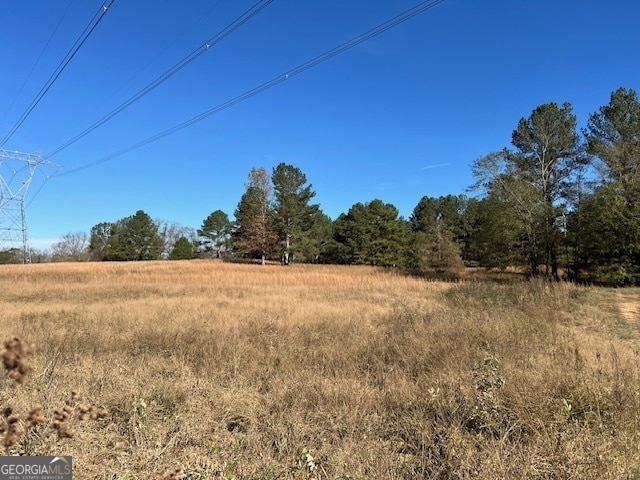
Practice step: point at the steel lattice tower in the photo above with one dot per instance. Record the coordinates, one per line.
(17, 173)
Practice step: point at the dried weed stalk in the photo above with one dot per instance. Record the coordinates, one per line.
(14, 358)
(63, 417)
(14, 426)
(177, 474)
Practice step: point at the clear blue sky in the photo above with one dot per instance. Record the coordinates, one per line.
(398, 117)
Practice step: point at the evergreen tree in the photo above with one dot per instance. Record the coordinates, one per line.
(99, 240)
(12, 255)
(315, 244)
(608, 233)
(371, 234)
(183, 249)
(613, 135)
(294, 217)
(215, 232)
(438, 232)
(134, 238)
(504, 229)
(170, 232)
(535, 178)
(448, 210)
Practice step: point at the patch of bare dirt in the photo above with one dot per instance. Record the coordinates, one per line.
(629, 305)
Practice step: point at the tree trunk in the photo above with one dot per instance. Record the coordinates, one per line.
(533, 263)
(554, 266)
(286, 253)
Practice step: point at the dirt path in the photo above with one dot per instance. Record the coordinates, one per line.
(629, 305)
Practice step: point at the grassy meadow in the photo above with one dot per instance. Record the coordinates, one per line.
(213, 370)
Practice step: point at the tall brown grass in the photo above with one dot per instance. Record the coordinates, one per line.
(214, 370)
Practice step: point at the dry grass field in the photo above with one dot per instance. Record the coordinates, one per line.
(211, 370)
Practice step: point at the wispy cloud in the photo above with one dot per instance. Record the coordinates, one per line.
(434, 166)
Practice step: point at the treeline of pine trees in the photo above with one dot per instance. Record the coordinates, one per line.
(558, 201)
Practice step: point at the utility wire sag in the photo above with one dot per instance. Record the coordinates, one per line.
(256, 8)
(99, 15)
(381, 28)
(46, 45)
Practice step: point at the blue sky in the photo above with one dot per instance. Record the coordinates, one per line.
(398, 117)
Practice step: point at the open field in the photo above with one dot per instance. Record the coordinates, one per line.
(248, 372)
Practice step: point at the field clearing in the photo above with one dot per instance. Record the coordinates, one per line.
(240, 371)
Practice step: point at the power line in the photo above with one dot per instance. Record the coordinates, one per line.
(99, 15)
(383, 27)
(46, 45)
(158, 55)
(224, 33)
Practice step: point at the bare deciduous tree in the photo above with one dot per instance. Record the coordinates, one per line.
(72, 247)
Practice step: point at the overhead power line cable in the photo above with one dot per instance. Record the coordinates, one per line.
(224, 33)
(99, 15)
(383, 27)
(46, 45)
(150, 62)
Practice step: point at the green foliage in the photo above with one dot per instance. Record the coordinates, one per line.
(170, 232)
(613, 135)
(435, 251)
(294, 217)
(609, 236)
(183, 249)
(533, 180)
(540, 206)
(609, 222)
(372, 234)
(507, 223)
(215, 232)
(136, 238)
(447, 210)
(547, 146)
(471, 250)
(99, 240)
(315, 244)
(13, 255)
(132, 238)
(548, 152)
(439, 228)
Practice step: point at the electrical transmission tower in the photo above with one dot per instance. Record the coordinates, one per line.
(18, 171)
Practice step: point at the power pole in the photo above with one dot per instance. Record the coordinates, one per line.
(17, 173)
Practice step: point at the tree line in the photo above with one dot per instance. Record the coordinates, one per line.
(558, 201)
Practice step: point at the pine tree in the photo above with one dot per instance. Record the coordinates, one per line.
(215, 232)
(182, 250)
(134, 238)
(371, 234)
(534, 179)
(609, 227)
(294, 216)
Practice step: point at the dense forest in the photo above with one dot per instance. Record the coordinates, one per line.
(559, 202)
